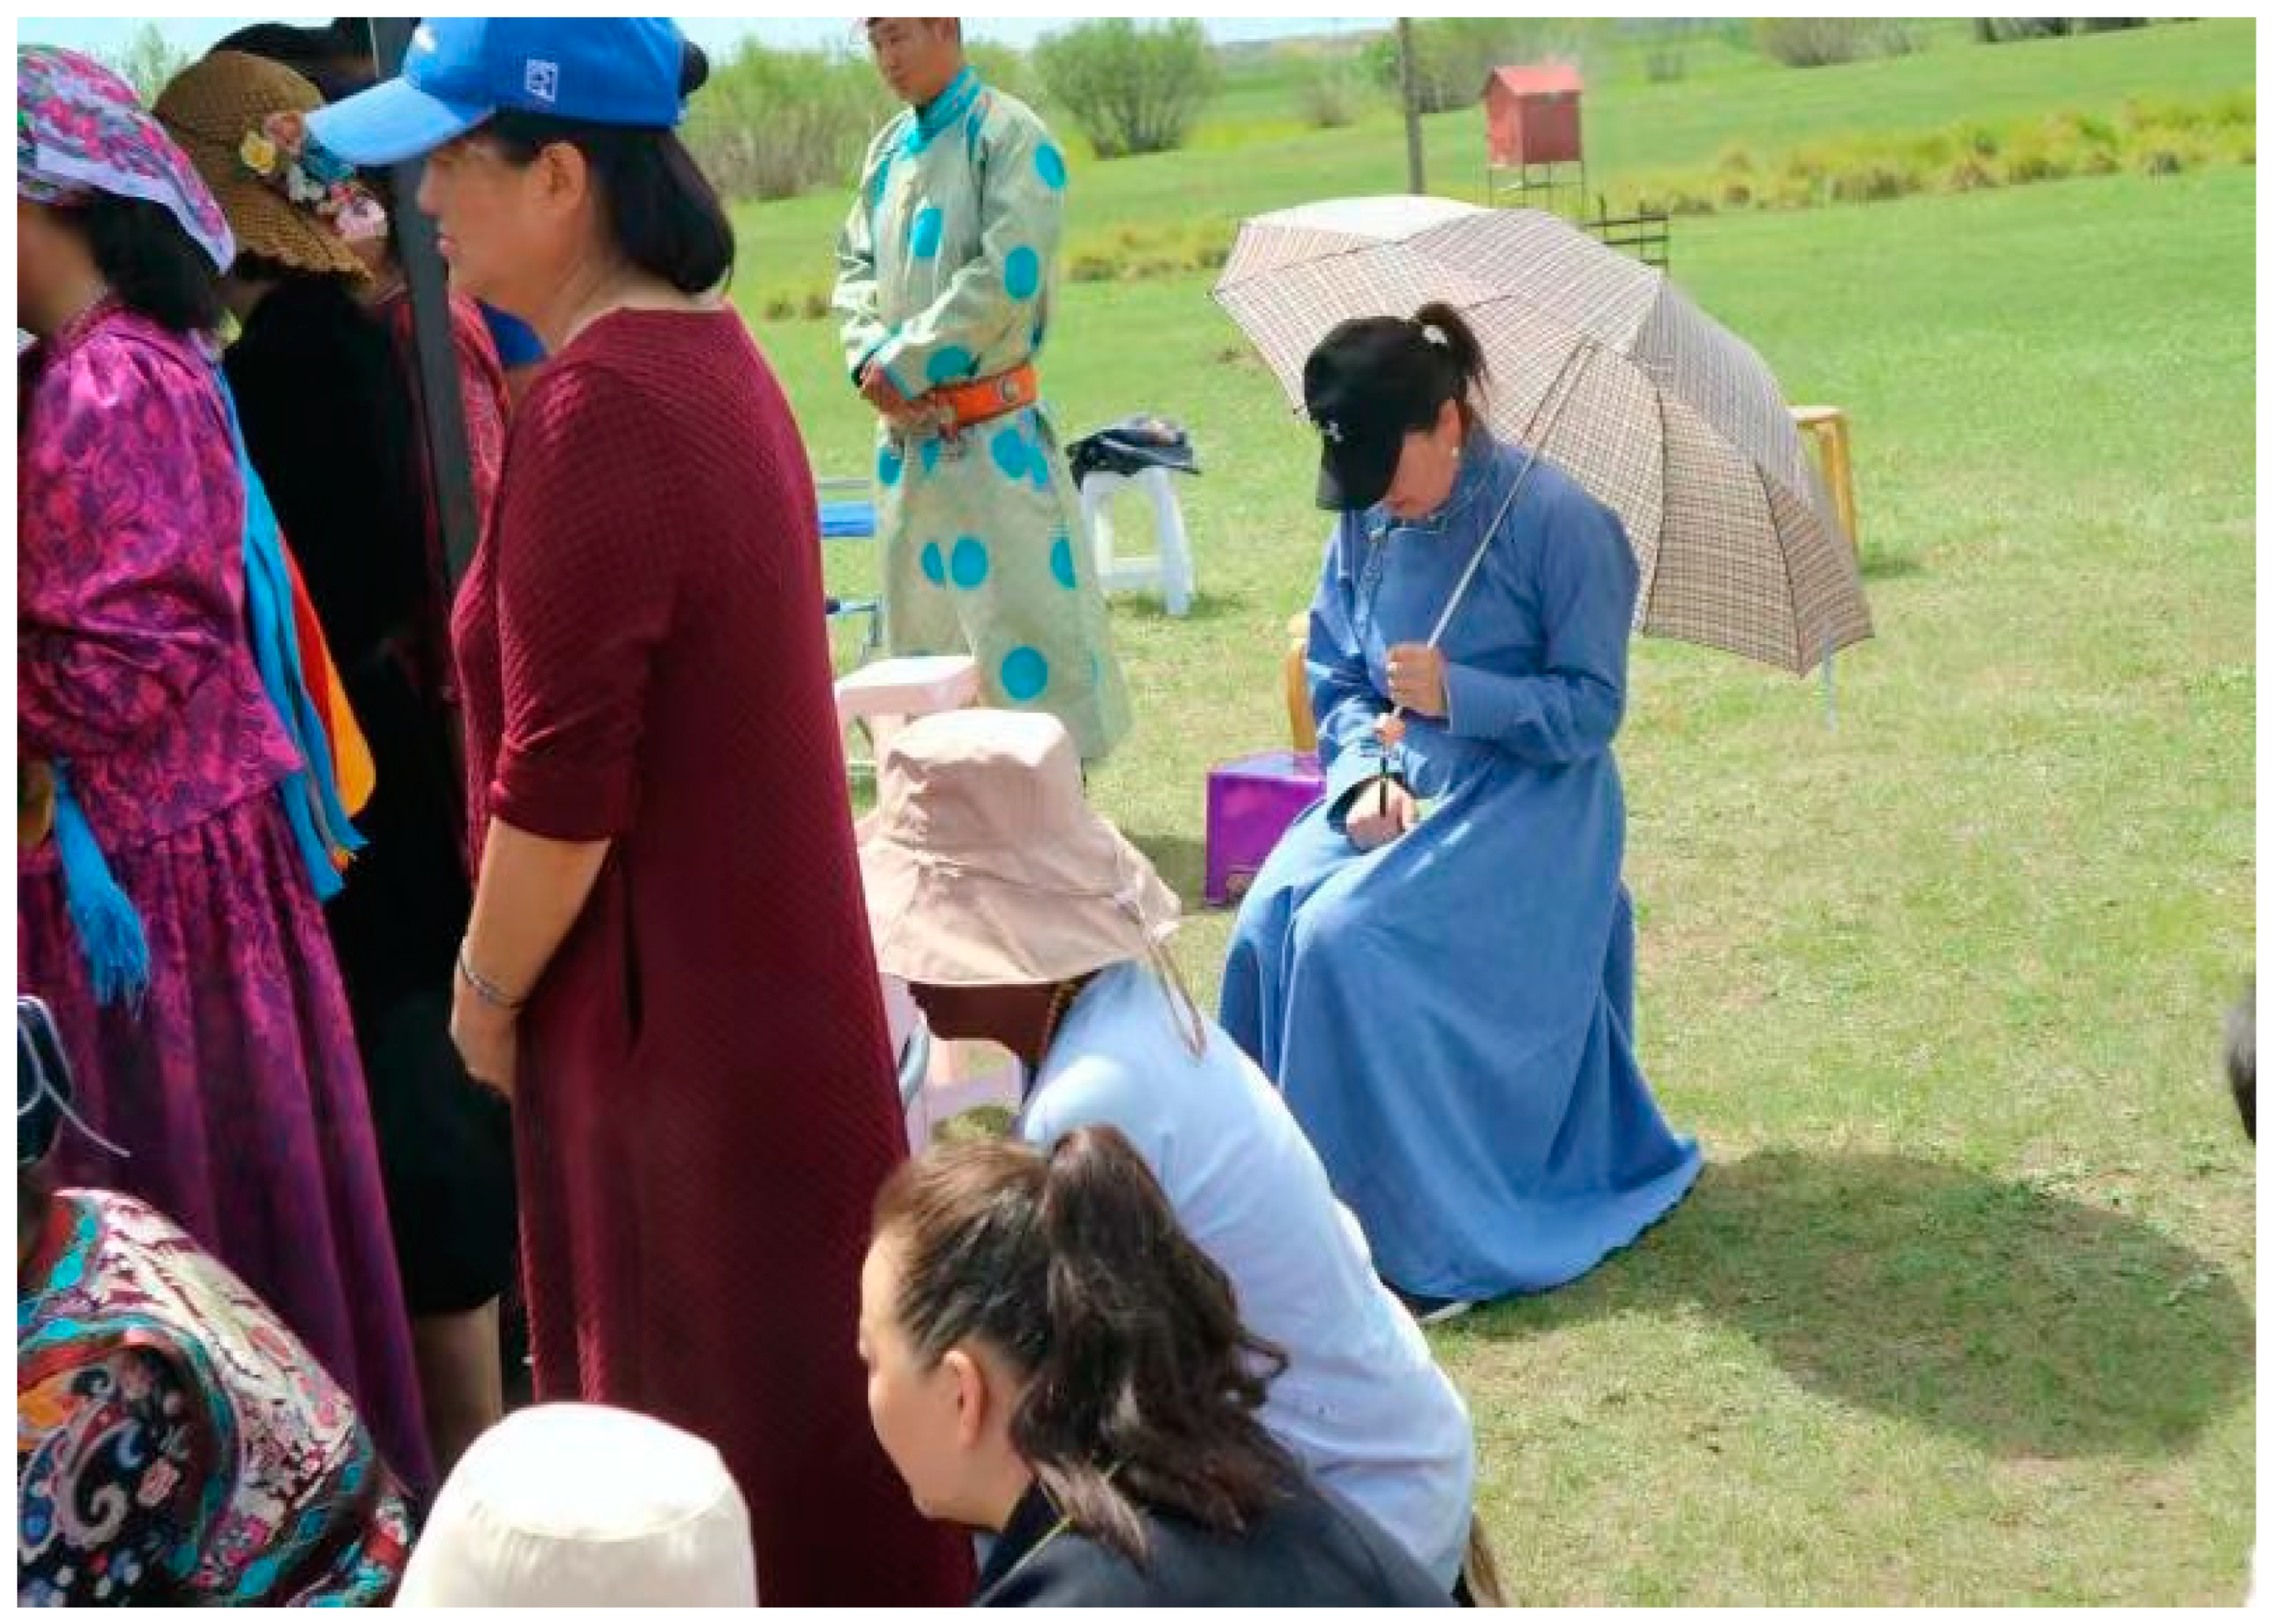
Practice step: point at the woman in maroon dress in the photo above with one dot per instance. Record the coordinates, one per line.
(668, 963)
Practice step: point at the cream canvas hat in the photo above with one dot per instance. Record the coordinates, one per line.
(582, 1505)
(985, 865)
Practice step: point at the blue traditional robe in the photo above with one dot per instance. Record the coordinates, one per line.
(1451, 1016)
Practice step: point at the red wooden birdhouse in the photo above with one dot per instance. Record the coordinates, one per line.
(1531, 115)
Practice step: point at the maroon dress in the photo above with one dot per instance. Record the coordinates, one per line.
(705, 1105)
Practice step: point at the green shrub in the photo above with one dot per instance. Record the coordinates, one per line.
(1976, 138)
(1735, 193)
(1736, 160)
(148, 62)
(1130, 90)
(1871, 181)
(1331, 92)
(1970, 173)
(816, 307)
(1452, 57)
(2034, 159)
(1666, 64)
(773, 123)
(1818, 41)
(1092, 268)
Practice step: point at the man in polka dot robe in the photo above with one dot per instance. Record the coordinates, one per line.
(944, 274)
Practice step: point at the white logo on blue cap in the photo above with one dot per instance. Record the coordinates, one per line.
(541, 79)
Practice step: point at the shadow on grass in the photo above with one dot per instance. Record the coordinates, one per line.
(1182, 863)
(1137, 603)
(1890, 567)
(2031, 1324)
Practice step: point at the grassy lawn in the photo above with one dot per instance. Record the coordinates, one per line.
(1963, 1308)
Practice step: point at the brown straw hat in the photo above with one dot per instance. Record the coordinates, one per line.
(985, 867)
(209, 108)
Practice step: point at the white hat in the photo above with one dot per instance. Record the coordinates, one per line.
(578, 1504)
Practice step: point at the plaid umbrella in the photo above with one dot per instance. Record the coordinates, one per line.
(1606, 368)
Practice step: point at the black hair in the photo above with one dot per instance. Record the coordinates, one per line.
(335, 57)
(663, 212)
(1142, 1388)
(153, 266)
(1453, 370)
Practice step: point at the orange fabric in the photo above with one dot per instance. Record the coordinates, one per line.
(967, 403)
(355, 774)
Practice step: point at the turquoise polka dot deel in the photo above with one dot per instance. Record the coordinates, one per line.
(967, 566)
(1061, 561)
(1026, 673)
(889, 463)
(947, 365)
(1008, 449)
(923, 240)
(1049, 163)
(930, 453)
(1022, 273)
(934, 565)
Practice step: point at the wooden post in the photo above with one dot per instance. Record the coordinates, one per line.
(1408, 80)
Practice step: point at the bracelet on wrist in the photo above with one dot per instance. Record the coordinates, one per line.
(487, 990)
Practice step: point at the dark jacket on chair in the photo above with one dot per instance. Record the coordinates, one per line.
(1312, 1549)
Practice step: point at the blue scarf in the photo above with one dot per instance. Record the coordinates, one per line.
(311, 800)
(102, 916)
(110, 933)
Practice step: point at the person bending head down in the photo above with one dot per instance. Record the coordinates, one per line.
(1051, 1359)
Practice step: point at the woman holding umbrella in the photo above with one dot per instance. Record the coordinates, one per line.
(1437, 964)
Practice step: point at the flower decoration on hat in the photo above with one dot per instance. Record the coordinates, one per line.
(1330, 429)
(308, 177)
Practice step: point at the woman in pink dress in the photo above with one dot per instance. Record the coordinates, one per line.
(172, 919)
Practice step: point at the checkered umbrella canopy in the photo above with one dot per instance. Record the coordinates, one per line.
(1662, 414)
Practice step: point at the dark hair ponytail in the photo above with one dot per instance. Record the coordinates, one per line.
(1459, 359)
(662, 213)
(1143, 1387)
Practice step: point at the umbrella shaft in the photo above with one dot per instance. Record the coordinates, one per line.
(1560, 396)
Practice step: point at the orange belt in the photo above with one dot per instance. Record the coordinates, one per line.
(965, 403)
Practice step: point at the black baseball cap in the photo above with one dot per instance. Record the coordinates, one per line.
(1370, 382)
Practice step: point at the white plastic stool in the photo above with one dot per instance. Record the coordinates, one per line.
(886, 693)
(1171, 568)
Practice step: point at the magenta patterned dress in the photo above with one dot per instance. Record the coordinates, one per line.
(234, 1088)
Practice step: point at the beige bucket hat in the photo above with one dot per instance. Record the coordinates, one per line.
(582, 1506)
(985, 865)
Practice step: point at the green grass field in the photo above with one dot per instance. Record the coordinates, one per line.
(1633, 128)
(1963, 1308)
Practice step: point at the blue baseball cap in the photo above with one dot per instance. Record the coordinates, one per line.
(462, 71)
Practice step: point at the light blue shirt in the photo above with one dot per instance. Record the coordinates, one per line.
(1362, 1402)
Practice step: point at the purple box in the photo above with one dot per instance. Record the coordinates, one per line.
(1250, 802)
